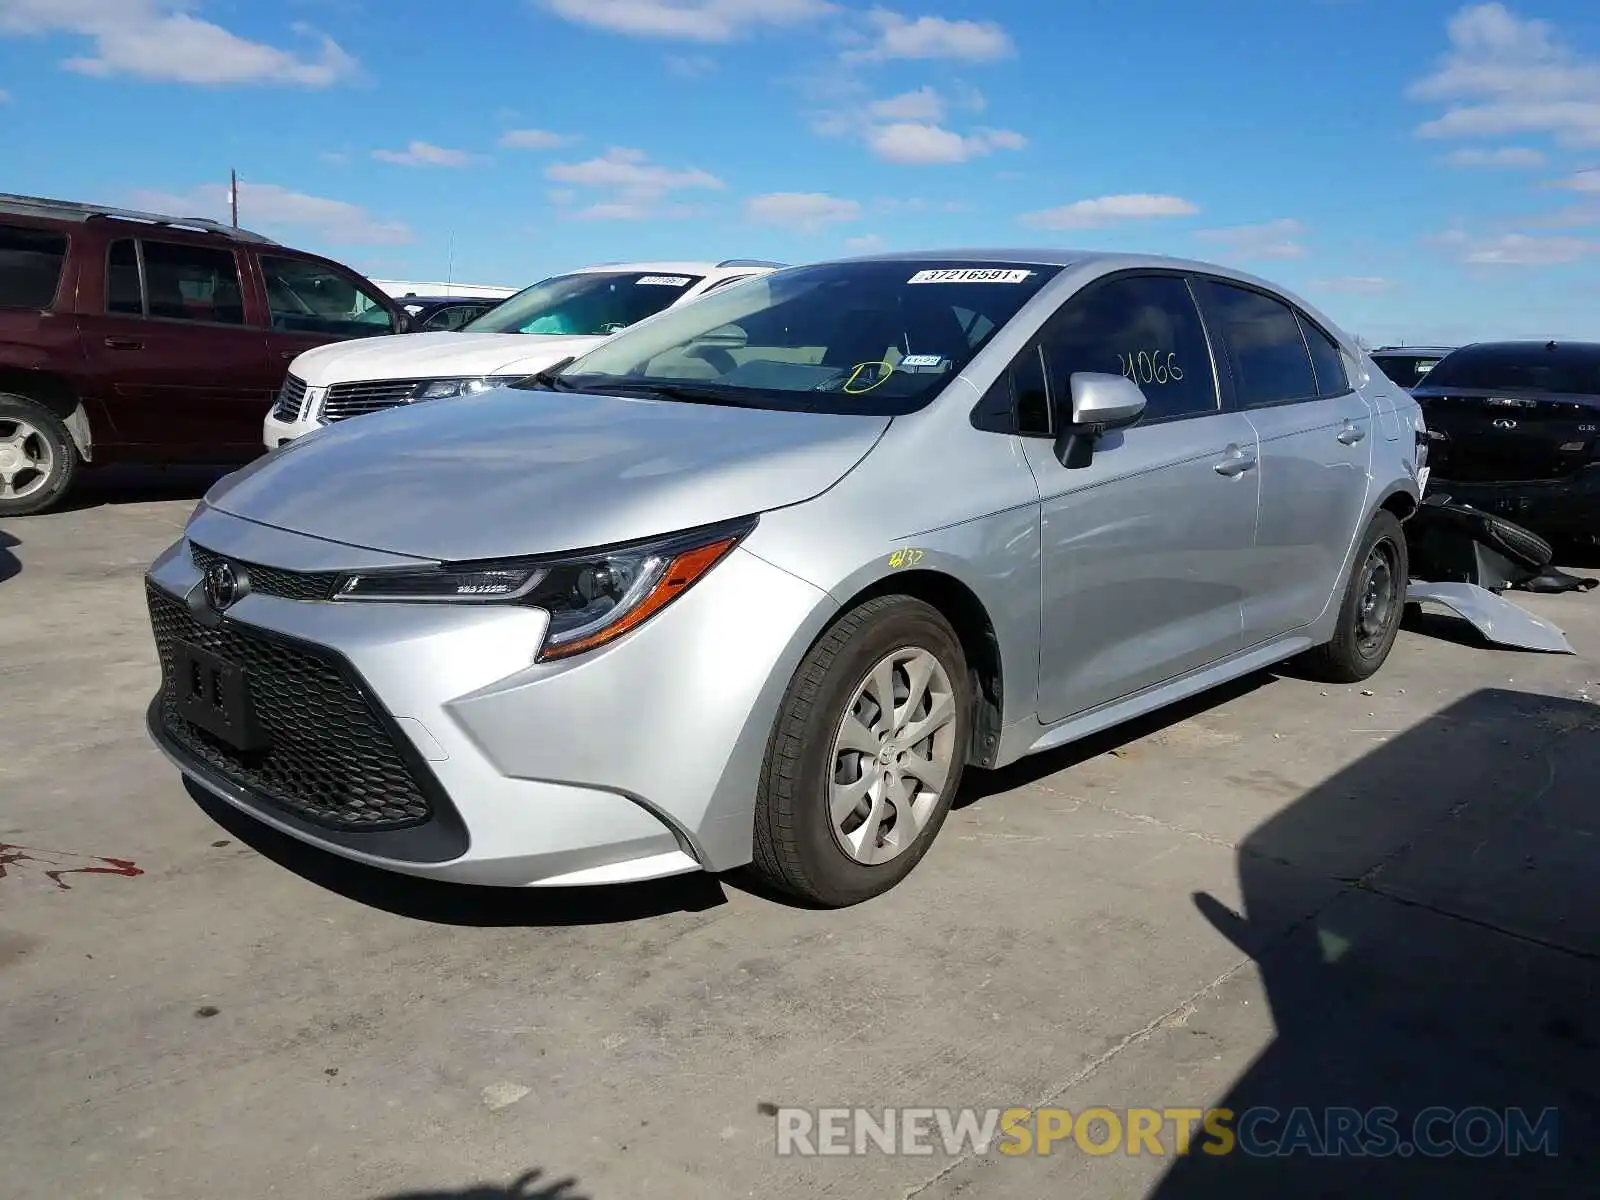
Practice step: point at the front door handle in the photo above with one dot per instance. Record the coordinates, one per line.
(1351, 434)
(124, 343)
(288, 354)
(1237, 463)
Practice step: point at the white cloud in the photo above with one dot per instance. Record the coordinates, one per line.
(1360, 285)
(1507, 75)
(1516, 249)
(631, 187)
(924, 104)
(690, 66)
(917, 143)
(805, 211)
(161, 40)
(898, 37)
(1583, 181)
(268, 206)
(867, 243)
(1511, 158)
(1109, 210)
(334, 158)
(424, 154)
(1272, 240)
(533, 139)
(713, 21)
(5, 96)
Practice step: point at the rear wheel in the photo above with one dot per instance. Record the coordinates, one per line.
(866, 755)
(1371, 609)
(37, 457)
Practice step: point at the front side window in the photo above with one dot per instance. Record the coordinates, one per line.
(180, 283)
(1145, 328)
(30, 266)
(878, 337)
(308, 297)
(589, 304)
(1265, 349)
(451, 318)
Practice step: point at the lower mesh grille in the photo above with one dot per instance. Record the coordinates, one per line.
(332, 758)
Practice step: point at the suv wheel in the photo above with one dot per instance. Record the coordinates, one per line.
(1373, 604)
(866, 755)
(37, 457)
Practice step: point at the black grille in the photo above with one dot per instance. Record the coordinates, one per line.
(357, 399)
(273, 581)
(333, 759)
(290, 396)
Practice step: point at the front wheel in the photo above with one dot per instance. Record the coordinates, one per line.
(866, 754)
(1372, 607)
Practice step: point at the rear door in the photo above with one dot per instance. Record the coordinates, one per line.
(1315, 432)
(311, 303)
(182, 372)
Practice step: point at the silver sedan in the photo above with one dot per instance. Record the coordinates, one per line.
(756, 580)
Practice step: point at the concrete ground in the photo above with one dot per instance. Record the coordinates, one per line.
(1287, 894)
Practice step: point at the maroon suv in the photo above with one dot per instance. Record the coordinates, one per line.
(134, 337)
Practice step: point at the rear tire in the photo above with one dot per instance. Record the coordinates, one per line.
(38, 460)
(1371, 609)
(853, 792)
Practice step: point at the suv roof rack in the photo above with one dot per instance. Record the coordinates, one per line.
(750, 262)
(69, 210)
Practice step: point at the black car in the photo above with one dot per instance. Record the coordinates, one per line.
(1408, 365)
(1517, 432)
(434, 314)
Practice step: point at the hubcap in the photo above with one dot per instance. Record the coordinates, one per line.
(892, 756)
(1379, 598)
(26, 459)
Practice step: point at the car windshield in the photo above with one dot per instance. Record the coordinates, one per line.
(1565, 370)
(591, 303)
(876, 336)
(1408, 370)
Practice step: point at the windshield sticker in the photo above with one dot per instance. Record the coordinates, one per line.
(923, 362)
(971, 275)
(661, 281)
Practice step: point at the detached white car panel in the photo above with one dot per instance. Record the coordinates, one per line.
(349, 379)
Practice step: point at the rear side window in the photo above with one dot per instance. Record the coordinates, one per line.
(1327, 361)
(30, 266)
(174, 282)
(1265, 349)
(1143, 327)
(1569, 370)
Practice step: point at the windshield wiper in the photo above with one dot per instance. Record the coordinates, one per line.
(548, 379)
(685, 392)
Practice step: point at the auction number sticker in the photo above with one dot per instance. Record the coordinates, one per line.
(971, 275)
(661, 281)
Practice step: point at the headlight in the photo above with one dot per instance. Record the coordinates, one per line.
(592, 597)
(441, 389)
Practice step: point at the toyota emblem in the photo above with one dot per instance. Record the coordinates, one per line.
(1504, 423)
(224, 586)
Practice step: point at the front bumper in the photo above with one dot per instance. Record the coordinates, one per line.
(637, 761)
(1559, 508)
(275, 431)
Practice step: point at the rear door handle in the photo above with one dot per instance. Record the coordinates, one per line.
(1237, 463)
(1351, 434)
(124, 343)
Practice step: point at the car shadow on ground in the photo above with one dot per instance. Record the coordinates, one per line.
(531, 1185)
(463, 904)
(140, 485)
(10, 564)
(1435, 1012)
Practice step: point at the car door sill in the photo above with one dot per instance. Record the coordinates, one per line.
(1162, 694)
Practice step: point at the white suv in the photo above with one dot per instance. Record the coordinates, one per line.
(538, 327)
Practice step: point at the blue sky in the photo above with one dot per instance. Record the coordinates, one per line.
(1426, 171)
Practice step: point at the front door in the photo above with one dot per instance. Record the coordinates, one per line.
(1316, 434)
(180, 371)
(1145, 548)
(311, 304)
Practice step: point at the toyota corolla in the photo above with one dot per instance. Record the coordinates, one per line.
(754, 582)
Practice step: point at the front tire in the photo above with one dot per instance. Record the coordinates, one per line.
(37, 457)
(1372, 607)
(866, 754)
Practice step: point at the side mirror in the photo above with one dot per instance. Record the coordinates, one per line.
(1100, 404)
(402, 322)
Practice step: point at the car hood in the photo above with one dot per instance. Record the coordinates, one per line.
(435, 356)
(512, 471)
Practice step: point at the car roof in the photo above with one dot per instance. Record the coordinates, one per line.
(1583, 349)
(408, 299)
(1420, 351)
